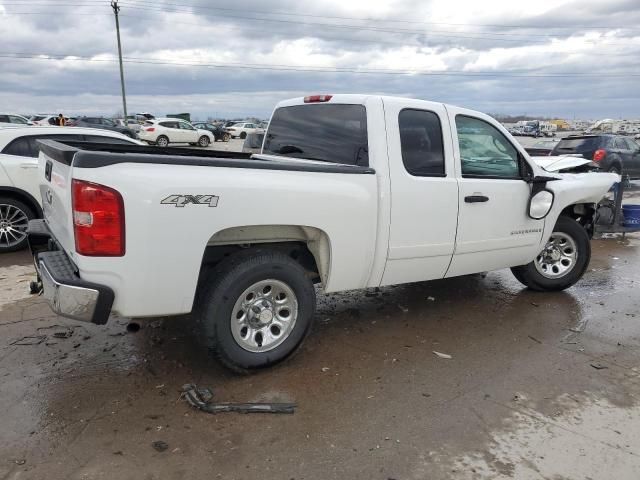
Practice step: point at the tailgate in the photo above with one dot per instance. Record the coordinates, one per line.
(54, 178)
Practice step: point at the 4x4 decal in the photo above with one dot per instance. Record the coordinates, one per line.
(182, 200)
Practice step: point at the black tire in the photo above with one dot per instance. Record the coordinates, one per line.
(203, 141)
(223, 286)
(162, 141)
(529, 275)
(7, 240)
(243, 135)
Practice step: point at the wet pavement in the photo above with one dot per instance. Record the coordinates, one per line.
(539, 386)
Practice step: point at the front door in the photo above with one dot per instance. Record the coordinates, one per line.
(494, 229)
(424, 203)
(188, 133)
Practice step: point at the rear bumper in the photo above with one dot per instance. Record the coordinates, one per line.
(67, 294)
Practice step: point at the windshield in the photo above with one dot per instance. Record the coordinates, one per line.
(578, 145)
(335, 133)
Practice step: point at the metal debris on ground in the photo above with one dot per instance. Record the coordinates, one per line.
(201, 398)
(160, 446)
(30, 340)
(598, 366)
(534, 339)
(443, 355)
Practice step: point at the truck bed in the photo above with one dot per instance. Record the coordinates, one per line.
(95, 155)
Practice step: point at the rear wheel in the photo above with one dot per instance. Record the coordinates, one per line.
(162, 141)
(14, 220)
(563, 260)
(243, 135)
(256, 308)
(203, 141)
(226, 137)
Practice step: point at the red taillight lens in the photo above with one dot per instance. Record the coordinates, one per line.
(599, 155)
(98, 220)
(150, 129)
(317, 98)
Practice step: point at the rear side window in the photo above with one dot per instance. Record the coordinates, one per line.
(578, 145)
(20, 147)
(169, 124)
(421, 141)
(619, 143)
(335, 133)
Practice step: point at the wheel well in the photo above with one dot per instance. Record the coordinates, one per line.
(583, 213)
(307, 245)
(23, 197)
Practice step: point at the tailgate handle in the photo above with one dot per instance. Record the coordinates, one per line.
(47, 170)
(476, 199)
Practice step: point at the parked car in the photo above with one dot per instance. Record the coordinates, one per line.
(542, 148)
(612, 153)
(44, 120)
(242, 129)
(331, 200)
(19, 194)
(218, 131)
(163, 131)
(102, 123)
(14, 119)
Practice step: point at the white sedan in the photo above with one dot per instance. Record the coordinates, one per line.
(13, 120)
(243, 129)
(163, 131)
(19, 194)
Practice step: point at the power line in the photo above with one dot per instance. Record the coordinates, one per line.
(303, 68)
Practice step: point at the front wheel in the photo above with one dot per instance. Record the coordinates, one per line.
(243, 135)
(563, 260)
(256, 308)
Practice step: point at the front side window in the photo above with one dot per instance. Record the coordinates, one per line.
(484, 150)
(421, 142)
(185, 126)
(334, 133)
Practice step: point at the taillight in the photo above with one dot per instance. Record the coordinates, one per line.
(317, 98)
(150, 129)
(599, 155)
(98, 220)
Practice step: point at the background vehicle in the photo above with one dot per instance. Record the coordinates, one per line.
(242, 129)
(44, 120)
(163, 131)
(543, 147)
(613, 153)
(20, 198)
(102, 123)
(332, 200)
(13, 119)
(218, 131)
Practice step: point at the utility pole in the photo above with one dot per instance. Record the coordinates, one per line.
(116, 9)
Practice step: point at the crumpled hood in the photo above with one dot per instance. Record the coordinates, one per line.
(561, 162)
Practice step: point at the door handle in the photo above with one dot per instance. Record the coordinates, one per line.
(28, 165)
(476, 199)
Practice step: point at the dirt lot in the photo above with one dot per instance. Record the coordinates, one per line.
(538, 386)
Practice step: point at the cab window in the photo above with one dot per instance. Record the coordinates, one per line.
(484, 150)
(421, 143)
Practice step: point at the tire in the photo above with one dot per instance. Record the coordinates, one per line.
(243, 135)
(236, 342)
(14, 219)
(548, 271)
(203, 141)
(162, 141)
(226, 137)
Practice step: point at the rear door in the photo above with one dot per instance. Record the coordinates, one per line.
(172, 131)
(424, 203)
(494, 230)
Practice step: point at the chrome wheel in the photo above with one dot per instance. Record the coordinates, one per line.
(13, 226)
(264, 315)
(558, 257)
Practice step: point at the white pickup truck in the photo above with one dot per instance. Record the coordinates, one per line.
(350, 192)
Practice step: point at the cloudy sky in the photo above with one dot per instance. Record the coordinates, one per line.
(565, 58)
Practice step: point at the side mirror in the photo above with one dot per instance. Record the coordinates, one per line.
(540, 204)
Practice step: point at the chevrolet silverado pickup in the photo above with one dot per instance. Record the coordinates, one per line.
(349, 192)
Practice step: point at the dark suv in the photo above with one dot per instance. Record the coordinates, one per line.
(612, 153)
(103, 123)
(218, 131)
